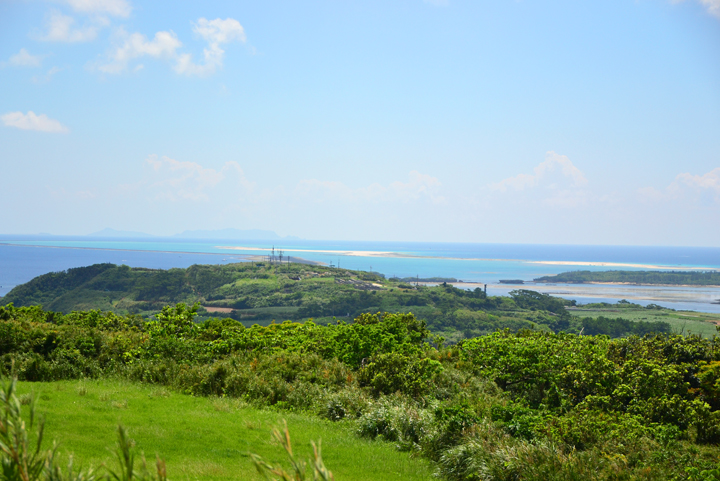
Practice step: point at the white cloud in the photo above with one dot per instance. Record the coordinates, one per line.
(545, 173)
(164, 45)
(167, 179)
(702, 189)
(24, 59)
(418, 186)
(555, 182)
(174, 180)
(116, 8)
(30, 121)
(215, 32)
(220, 31)
(47, 77)
(712, 6)
(709, 181)
(61, 28)
(699, 189)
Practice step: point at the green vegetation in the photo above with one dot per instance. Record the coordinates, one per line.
(261, 294)
(689, 278)
(681, 322)
(505, 406)
(208, 438)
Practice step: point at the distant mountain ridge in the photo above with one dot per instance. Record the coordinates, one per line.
(219, 234)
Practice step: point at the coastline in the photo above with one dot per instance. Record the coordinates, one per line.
(354, 253)
(709, 295)
(241, 257)
(708, 286)
(622, 264)
(378, 254)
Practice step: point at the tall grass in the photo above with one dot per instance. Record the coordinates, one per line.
(204, 438)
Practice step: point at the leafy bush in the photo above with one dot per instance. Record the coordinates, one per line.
(530, 404)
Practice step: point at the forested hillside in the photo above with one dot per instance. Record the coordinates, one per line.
(261, 293)
(689, 278)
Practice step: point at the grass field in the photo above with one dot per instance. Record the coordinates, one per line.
(203, 438)
(680, 321)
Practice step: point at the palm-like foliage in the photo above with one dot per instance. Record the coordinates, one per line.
(20, 460)
(312, 470)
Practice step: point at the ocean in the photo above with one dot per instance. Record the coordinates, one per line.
(24, 257)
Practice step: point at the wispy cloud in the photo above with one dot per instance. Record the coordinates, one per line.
(546, 172)
(31, 121)
(61, 28)
(215, 32)
(555, 182)
(165, 45)
(686, 187)
(116, 8)
(136, 45)
(712, 6)
(41, 79)
(24, 59)
(167, 179)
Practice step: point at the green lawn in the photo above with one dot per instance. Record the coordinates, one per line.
(680, 321)
(203, 438)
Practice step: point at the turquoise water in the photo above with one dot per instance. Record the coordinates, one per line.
(22, 258)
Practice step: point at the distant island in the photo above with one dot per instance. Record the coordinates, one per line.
(263, 292)
(674, 278)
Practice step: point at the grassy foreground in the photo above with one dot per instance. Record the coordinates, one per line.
(202, 438)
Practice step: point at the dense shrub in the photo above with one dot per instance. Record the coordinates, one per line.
(524, 405)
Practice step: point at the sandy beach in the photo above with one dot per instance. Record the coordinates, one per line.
(353, 253)
(322, 251)
(620, 264)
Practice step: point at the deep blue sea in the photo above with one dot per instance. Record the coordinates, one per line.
(24, 257)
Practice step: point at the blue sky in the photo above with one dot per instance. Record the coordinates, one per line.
(478, 121)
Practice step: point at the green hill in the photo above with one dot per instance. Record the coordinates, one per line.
(688, 278)
(260, 293)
